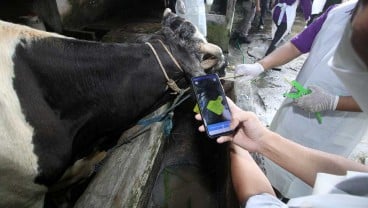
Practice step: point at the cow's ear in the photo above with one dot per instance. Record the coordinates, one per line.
(168, 17)
(172, 21)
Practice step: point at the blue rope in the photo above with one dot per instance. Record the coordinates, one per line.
(167, 125)
(166, 116)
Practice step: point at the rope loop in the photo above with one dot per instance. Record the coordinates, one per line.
(171, 83)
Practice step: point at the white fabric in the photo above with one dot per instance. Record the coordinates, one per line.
(352, 71)
(195, 12)
(330, 191)
(264, 201)
(350, 190)
(282, 11)
(290, 12)
(317, 6)
(340, 131)
(209, 2)
(180, 7)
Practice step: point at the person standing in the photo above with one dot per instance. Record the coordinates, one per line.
(194, 11)
(264, 8)
(250, 7)
(337, 181)
(341, 128)
(283, 17)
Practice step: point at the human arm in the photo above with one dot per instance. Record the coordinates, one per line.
(279, 56)
(300, 44)
(301, 161)
(347, 103)
(320, 100)
(247, 178)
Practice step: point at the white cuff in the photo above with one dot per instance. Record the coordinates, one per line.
(335, 102)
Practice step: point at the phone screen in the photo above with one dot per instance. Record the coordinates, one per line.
(212, 104)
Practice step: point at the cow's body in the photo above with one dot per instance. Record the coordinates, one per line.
(61, 99)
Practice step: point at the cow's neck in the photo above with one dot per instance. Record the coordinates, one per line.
(94, 88)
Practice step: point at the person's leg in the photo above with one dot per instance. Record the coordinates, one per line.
(247, 178)
(246, 23)
(278, 35)
(264, 7)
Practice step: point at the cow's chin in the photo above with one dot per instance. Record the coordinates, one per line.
(213, 65)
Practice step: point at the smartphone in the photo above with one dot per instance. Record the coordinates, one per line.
(212, 105)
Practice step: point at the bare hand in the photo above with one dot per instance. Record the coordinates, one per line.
(248, 130)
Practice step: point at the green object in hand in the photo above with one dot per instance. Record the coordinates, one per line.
(301, 91)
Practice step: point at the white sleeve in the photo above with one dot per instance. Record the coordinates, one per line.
(264, 201)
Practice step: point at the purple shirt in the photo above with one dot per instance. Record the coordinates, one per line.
(304, 40)
(306, 6)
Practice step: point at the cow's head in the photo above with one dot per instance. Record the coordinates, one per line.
(204, 57)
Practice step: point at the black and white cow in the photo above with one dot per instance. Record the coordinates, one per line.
(62, 99)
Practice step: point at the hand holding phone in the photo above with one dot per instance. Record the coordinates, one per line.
(212, 103)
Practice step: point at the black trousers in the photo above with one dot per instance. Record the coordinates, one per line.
(264, 8)
(278, 35)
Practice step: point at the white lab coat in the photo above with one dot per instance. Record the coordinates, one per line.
(290, 12)
(340, 131)
(336, 191)
(193, 11)
(317, 6)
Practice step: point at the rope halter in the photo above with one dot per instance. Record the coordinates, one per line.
(170, 82)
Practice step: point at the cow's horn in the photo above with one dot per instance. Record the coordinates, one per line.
(213, 50)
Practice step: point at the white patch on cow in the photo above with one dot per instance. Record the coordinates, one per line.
(18, 163)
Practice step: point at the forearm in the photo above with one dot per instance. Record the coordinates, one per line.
(347, 103)
(305, 162)
(248, 179)
(280, 56)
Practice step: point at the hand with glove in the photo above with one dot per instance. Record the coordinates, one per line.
(180, 7)
(318, 100)
(250, 71)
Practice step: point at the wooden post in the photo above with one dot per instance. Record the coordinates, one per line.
(126, 178)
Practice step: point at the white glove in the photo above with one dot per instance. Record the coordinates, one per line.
(318, 100)
(180, 7)
(250, 71)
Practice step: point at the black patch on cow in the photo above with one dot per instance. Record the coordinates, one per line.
(79, 96)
